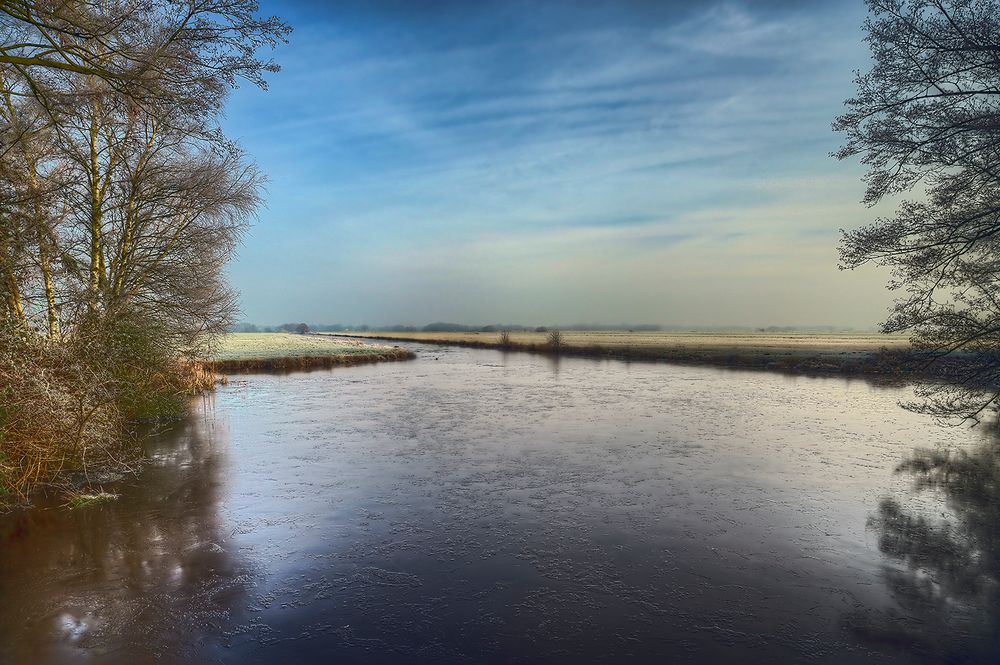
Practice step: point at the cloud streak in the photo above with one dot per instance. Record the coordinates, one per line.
(485, 163)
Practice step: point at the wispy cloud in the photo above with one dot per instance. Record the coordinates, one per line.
(625, 136)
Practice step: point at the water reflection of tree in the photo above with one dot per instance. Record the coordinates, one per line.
(945, 571)
(145, 579)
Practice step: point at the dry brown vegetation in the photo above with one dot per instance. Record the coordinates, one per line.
(67, 408)
(295, 363)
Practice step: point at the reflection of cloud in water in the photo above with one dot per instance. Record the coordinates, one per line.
(152, 574)
(944, 560)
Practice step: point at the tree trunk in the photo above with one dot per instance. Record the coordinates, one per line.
(44, 260)
(50, 290)
(96, 218)
(12, 292)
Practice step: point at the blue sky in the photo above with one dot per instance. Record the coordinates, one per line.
(555, 163)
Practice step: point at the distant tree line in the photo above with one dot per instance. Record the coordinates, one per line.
(439, 326)
(120, 202)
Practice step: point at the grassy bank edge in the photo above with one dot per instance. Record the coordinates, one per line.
(266, 364)
(883, 363)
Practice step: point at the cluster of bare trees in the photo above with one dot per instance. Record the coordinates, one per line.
(926, 120)
(118, 192)
(120, 202)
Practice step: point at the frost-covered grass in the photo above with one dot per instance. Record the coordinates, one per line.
(747, 342)
(85, 500)
(244, 346)
(794, 352)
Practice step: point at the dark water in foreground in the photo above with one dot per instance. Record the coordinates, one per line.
(472, 507)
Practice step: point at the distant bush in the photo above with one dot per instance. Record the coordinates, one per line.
(300, 328)
(541, 329)
(554, 339)
(503, 339)
(441, 326)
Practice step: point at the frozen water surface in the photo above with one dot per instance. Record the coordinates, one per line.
(474, 506)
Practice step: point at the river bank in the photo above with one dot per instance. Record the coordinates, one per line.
(861, 354)
(61, 448)
(285, 352)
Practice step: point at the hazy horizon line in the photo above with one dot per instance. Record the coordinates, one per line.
(438, 326)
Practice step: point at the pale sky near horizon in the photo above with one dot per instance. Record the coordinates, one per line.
(556, 162)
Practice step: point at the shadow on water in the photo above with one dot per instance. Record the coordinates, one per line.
(943, 558)
(553, 363)
(146, 574)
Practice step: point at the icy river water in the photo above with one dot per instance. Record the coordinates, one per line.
(475, 506)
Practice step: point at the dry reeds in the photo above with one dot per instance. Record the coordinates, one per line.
(196, 377)
(297, 363)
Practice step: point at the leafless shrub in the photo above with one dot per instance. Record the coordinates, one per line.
(554, 340)
(56, 414)
(503, 339)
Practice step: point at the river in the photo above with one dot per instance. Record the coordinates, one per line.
(477, 506)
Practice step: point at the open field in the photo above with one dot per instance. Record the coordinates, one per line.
(805, 342)
(246, 352)
(810, 353)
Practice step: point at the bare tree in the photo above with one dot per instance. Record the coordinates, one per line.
(121, 201)
(29, 214)
(503, 339)
(926, 119)
(139, 47)
(120, 100)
